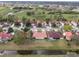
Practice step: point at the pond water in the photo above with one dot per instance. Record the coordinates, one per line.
(42, 52)
(39, 52)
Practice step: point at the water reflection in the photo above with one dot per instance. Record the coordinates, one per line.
(37, 52)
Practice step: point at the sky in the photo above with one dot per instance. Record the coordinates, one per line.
(39, 0)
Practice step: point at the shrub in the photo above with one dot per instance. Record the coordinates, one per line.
(30, 13)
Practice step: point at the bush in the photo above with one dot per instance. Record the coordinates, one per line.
(30, 13)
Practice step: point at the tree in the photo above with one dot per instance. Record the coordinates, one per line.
(11, 18)
(75, 39)
(40, 15)
(1, 17)
(67, 27)
(1, 30)
(58, 15)
(29, 13)
(24, 18)
(21, 38)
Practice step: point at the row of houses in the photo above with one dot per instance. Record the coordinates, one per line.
(39, 30)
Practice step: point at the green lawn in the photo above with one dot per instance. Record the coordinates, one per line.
(41, 16)
(39, 44)
(69, 16)
(4, 10)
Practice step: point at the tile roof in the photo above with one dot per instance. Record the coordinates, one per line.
(5, 35)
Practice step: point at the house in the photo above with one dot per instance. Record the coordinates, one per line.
(68, 35)
(39, 34)
(17, 26)
(54, 35)
(4, 37)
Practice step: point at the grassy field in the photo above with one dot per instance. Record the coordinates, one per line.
(4, 10)
(38, 14)
(66, 16)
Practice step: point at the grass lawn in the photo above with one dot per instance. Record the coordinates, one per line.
(69, 16)
(4, 10)
(36, 45)
(66, 16)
